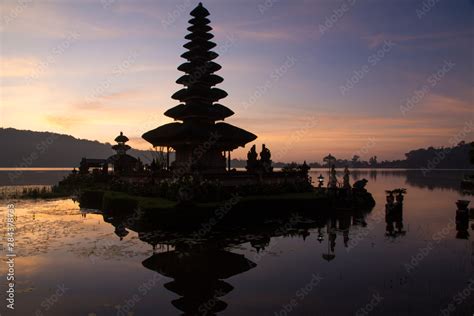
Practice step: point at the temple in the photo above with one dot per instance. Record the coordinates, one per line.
(202, 145)
(121, 161)
(200, 142)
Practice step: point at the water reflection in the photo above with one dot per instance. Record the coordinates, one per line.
(199, 261)
(198, 273)
(105, 257)
(394, 213)
(463, 214)
(432, 179)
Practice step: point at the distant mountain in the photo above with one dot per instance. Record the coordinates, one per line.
(22, 148)
(455, 157)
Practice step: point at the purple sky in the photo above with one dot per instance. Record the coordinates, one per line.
(308, 77)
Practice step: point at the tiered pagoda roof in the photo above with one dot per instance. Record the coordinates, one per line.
(199, 109)
(121, 158)
(121, 147)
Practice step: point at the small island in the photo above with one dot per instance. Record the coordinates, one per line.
(201, 177)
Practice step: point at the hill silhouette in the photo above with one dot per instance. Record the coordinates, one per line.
(24, 148)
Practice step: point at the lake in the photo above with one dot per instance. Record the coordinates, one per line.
(73, 261)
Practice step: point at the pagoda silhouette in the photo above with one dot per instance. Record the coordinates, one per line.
(200, 142)
(121, 161)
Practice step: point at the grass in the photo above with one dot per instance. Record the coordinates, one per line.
(143, 202)
(30, 192)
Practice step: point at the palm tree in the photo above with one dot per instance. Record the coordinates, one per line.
(329, 159)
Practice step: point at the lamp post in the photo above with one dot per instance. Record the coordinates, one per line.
(320, 181)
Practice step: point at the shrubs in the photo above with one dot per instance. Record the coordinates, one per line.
(30, 192)
(189, 188)
(197, 189)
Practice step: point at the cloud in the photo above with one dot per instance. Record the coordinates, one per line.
(110, 101)
(139, 143)
(18, 66)
(52, 20)
(64, 122)
(130, 94)
(440, 104)
(88, 105)
(265, 35)
(375, 40)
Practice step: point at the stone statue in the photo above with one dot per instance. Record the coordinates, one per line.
(252, 159)
(346, 183)
(360, 185)
(265, 153)
(265, 159)
(332, 178)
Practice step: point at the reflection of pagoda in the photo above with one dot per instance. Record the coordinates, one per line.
(199, 141)
(198, 277)
(200, 264)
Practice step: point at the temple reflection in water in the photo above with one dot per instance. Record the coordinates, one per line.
(200, 262)
(208, 272)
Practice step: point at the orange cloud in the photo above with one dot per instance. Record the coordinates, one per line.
(18, 66)
(46, 19)
(64, 122)
(438, 104)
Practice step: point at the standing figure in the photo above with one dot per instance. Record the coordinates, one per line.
(346, 183)
(332, 183)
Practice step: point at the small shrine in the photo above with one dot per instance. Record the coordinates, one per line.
(121, 161)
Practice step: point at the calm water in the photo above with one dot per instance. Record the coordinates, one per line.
(77, 262)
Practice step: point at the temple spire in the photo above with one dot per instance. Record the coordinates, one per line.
(199, 78)
(199, 109)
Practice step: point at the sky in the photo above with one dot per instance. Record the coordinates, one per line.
(354, 77)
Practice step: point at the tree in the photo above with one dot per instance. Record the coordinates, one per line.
(355, 160)
(471, 153)
(329, 160)
(373, 161)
